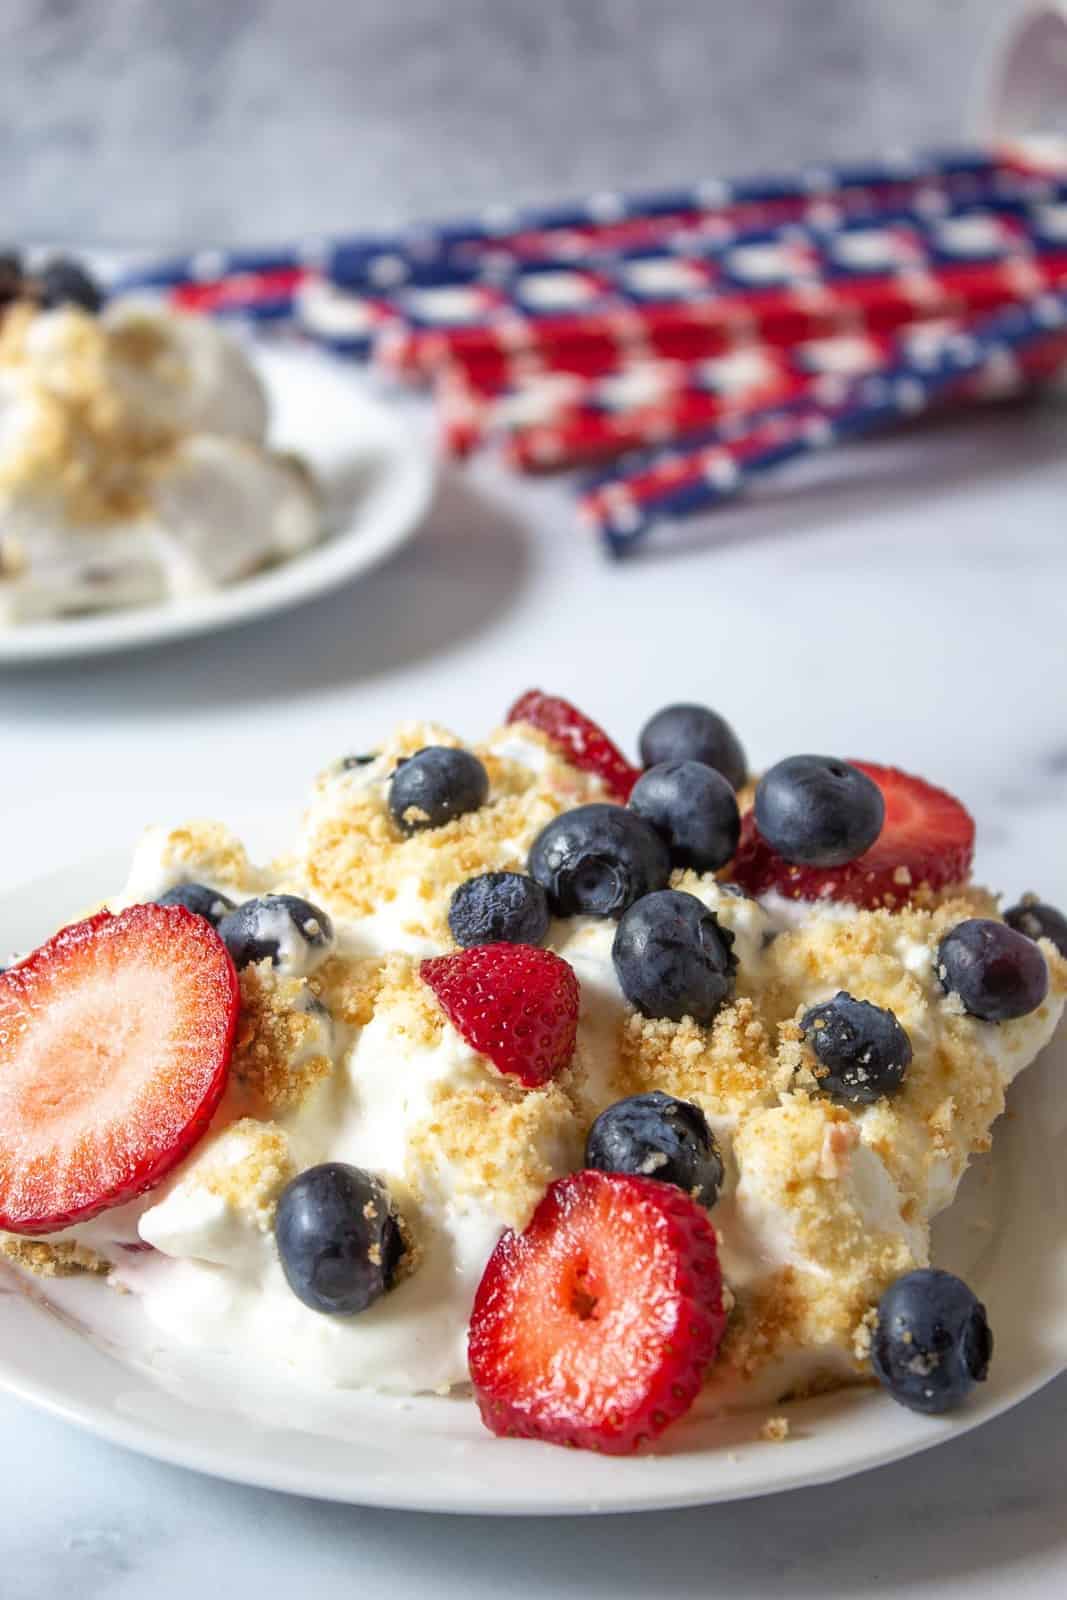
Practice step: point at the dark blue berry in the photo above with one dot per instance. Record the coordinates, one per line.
(672, 958)
(63, 282)
(436, 785)
(498, 908)
(931, 1342)
(657, 1136)
(338, 1238)
(198, 897)
(694, 733)
(997, 972)
(693, 809)
(279, 926)
(1039, 921)
(818, 811)
(598, 859)
(11, 279)
(863, 1050)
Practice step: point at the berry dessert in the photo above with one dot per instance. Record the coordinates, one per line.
(526, 1073)
(133, 461)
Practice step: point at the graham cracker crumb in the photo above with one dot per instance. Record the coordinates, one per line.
(251, 1183)
(354, 859)
(413, 1251)
(864, 1333)
(61, 1259)
(775, 1430)
(409, 1007)
(765, 1323)
(281, 1051)
(350, 988)
(207, 850)
(499, 1140)
(782, 1154)
(89, 443)
(725, 1069)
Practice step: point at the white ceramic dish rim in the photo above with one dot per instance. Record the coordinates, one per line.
(431, 1454)
(322, 411)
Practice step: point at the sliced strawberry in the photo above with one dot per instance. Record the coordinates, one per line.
(115, 1039)
(927, 838)
(516, 1004)
(579, 741)
(595, 1326)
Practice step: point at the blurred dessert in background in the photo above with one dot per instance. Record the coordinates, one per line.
(134, 467)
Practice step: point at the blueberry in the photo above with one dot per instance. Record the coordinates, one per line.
(997, 971)
(11, 280)
(338, 1238)
(281, 926)
(198, 897)
(864, 1050)
(818, 811)
(931, 1342)
(63, 282)
(597, 860)
(694, 733)
(694, 810)
(1039, 921)
(657, 1136)
(434, 786)
(498, 908)
(672, 958)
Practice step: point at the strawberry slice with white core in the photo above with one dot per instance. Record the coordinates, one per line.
(595, 1325)
(115, 1040)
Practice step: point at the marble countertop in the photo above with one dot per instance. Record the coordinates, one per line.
(135, 123)
(905, 602)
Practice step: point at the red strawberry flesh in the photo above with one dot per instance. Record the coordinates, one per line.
(115, 1040)
(514, 1003)
(578, 740)
(927, 840)
(595, 1326)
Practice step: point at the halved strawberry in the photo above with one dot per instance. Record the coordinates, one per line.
(595, 1326)
(115, 1039)
(579, 741)
(517, 1004)
(927, 838)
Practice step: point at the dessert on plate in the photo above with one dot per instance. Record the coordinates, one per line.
(134, 467)
(591, 1087)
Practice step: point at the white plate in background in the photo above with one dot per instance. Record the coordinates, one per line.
(85, 1353)
(378, 477)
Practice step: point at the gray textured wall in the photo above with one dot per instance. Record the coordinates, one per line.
(168, 121)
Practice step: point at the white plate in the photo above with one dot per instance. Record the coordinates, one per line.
(78, 1349)
(378, 477)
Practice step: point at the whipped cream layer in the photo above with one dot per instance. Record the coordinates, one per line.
(133, 462)
(344, 1055)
